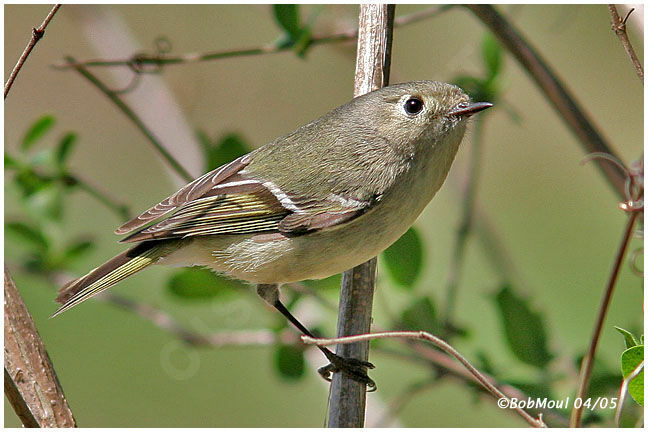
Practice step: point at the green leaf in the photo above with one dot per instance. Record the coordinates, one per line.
(229, 148)
(43, 157)
(196, 283)
(485, 363)
(224, 151)
(204, 140)
(630, 340)
(10, 162)
(36, 131)
(64, 147)
(404, 258)
(476, 88)
(28, 234)
(532, 389)
(524, 328)
(46, 202)
(287, 16)
(77, 249)
(289, 361)
(29, 183)
(421, 315)
(329, 283)
(630, 360)
(492, 54)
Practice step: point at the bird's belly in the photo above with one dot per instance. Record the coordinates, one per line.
(310, 256)
(322, 253)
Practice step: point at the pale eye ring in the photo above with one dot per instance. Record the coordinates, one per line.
(413, 105)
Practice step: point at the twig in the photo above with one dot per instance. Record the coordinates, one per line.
(137, 62)
(439, 343)
(446, 365)
(465, 226)
(31, 385)
(112, 95)
(588, 360)
(164, 321)
(348, 397)
(37, 34)
(619, 27)
(122, 210)
(552, 88)
(623, 391)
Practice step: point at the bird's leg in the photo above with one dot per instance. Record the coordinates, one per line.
(354, 368)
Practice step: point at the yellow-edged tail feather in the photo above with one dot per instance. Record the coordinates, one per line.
(108, 274)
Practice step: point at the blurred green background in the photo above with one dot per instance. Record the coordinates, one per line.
(558, 221)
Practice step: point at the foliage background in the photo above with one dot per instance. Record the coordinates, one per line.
(558, 220)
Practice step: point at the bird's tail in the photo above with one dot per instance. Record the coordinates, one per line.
(109, 273)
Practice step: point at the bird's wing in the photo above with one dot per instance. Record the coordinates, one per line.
(227, 201)
(188, 193)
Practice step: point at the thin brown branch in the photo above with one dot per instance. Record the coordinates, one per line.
(123, 107)
(122, 210)
(481, 378)
(37, 34)
(373, 59)
(588, 360)
(553, 89)
(139, 61)
(465, 225)
(619, 27)
(164, 321)
(447, 366)
(31, 385)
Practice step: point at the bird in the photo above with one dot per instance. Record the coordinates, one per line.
(310, 204)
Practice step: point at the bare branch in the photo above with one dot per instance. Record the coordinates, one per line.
(37, 34)
(465, 225)
(31, 384)
(439, 343)
(553, 89)
(164, 321)
(139, 62)
(619, 27)
(123, 107)
(588, 360)
(348, 397)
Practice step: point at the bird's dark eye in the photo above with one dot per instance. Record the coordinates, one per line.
(413, 105)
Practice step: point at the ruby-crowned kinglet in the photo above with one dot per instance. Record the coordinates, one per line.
(311, 204)
(318, 201)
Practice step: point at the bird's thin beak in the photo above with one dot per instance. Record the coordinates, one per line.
(470, 109)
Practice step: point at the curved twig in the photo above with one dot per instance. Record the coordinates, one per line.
(439, 343)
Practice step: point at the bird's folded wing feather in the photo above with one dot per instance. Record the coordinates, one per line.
(227, 201)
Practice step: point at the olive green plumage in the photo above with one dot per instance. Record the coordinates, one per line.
(315, 202)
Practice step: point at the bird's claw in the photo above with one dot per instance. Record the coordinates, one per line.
(353, 368)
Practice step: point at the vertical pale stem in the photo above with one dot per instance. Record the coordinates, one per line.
(348, 397)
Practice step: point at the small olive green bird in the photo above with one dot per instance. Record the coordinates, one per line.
(316, 202)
